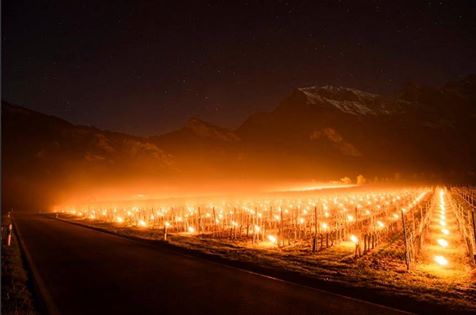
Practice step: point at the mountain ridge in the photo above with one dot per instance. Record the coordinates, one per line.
(324, 132)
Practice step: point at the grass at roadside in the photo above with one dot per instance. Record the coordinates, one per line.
(17, 297)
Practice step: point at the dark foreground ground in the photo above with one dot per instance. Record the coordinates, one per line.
(16, 281)
(83, 271)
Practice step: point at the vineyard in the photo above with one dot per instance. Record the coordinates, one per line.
(422, 239)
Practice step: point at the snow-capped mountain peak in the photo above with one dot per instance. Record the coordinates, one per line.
(347, 100)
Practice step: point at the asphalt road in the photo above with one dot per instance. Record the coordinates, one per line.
(89, 272)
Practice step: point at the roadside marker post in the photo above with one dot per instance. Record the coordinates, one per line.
(10, 229)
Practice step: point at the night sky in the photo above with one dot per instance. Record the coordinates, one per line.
(145, 67)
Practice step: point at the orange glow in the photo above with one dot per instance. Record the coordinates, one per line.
(317, 187)
(440, 260)
(442, 242)
(259, 218)
(273, 239)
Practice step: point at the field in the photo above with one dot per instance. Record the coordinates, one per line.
(412, 244)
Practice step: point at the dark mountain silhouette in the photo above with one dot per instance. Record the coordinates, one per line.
(331, 126)
(326, 132)
(317, 132)
(42, 154)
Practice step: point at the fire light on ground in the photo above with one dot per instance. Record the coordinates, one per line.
(342, 230)
(350, 219)
(356, 222)
(444, 251)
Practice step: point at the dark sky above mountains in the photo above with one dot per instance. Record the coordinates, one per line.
(145, 67)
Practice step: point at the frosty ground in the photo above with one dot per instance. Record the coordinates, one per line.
(378, 276)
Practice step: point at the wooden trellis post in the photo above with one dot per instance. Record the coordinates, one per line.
(474, 227)
(314, 239)
(407, 260)
(281, 232)
(199, 221)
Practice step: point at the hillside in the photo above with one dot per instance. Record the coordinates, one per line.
(43, 155)
(317, 132)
